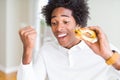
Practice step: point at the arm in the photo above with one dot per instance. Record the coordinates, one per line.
(102, 47)
(28, 70)
(28, 36)
(32, 71)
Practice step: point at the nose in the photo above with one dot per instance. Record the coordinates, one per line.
(60, 27)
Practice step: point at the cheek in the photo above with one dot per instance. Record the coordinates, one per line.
(71, 33)
(53, 30)
(71, 29)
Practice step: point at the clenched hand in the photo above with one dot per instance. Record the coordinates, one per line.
(28, 38)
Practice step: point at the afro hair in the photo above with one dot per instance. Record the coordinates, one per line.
(79, 10)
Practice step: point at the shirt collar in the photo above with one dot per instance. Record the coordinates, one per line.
(63, 49)
(80, 45)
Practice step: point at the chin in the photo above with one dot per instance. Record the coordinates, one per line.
(63, 44)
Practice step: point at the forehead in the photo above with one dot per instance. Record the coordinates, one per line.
(64, 12)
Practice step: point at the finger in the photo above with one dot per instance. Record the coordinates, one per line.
(97, 29)
(100, 33)
(28, 27)
(88, 43)
(91, 45)
(30, 32)
(25, 29)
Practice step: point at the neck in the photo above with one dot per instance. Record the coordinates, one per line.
(73, 44)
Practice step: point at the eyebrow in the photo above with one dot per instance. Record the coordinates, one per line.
(61, 15)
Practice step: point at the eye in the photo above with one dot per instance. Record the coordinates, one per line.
(66, 22)
(53, 23)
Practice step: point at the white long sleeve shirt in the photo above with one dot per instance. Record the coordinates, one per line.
(57, 63)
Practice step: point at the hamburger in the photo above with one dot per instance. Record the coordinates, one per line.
(86, 34)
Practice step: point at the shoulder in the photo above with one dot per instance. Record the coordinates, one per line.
(50, 46)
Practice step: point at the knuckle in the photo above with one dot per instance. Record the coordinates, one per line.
(21, 32)
(25, 34)
(28, 36)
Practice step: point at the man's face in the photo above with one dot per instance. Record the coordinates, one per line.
(63, 25)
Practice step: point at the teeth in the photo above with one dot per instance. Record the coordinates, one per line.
(62, 35)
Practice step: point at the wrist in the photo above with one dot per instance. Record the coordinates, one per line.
(26, 59)
(107, 55)
(112, 59)
(27, 55)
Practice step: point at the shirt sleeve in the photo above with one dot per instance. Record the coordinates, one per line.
(32, 71)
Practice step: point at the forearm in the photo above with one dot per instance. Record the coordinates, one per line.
(27, 56)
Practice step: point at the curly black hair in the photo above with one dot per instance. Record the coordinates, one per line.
(79, 10)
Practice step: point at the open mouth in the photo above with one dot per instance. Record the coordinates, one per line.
(62, 35)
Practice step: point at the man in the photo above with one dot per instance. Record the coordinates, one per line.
(70, 58)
